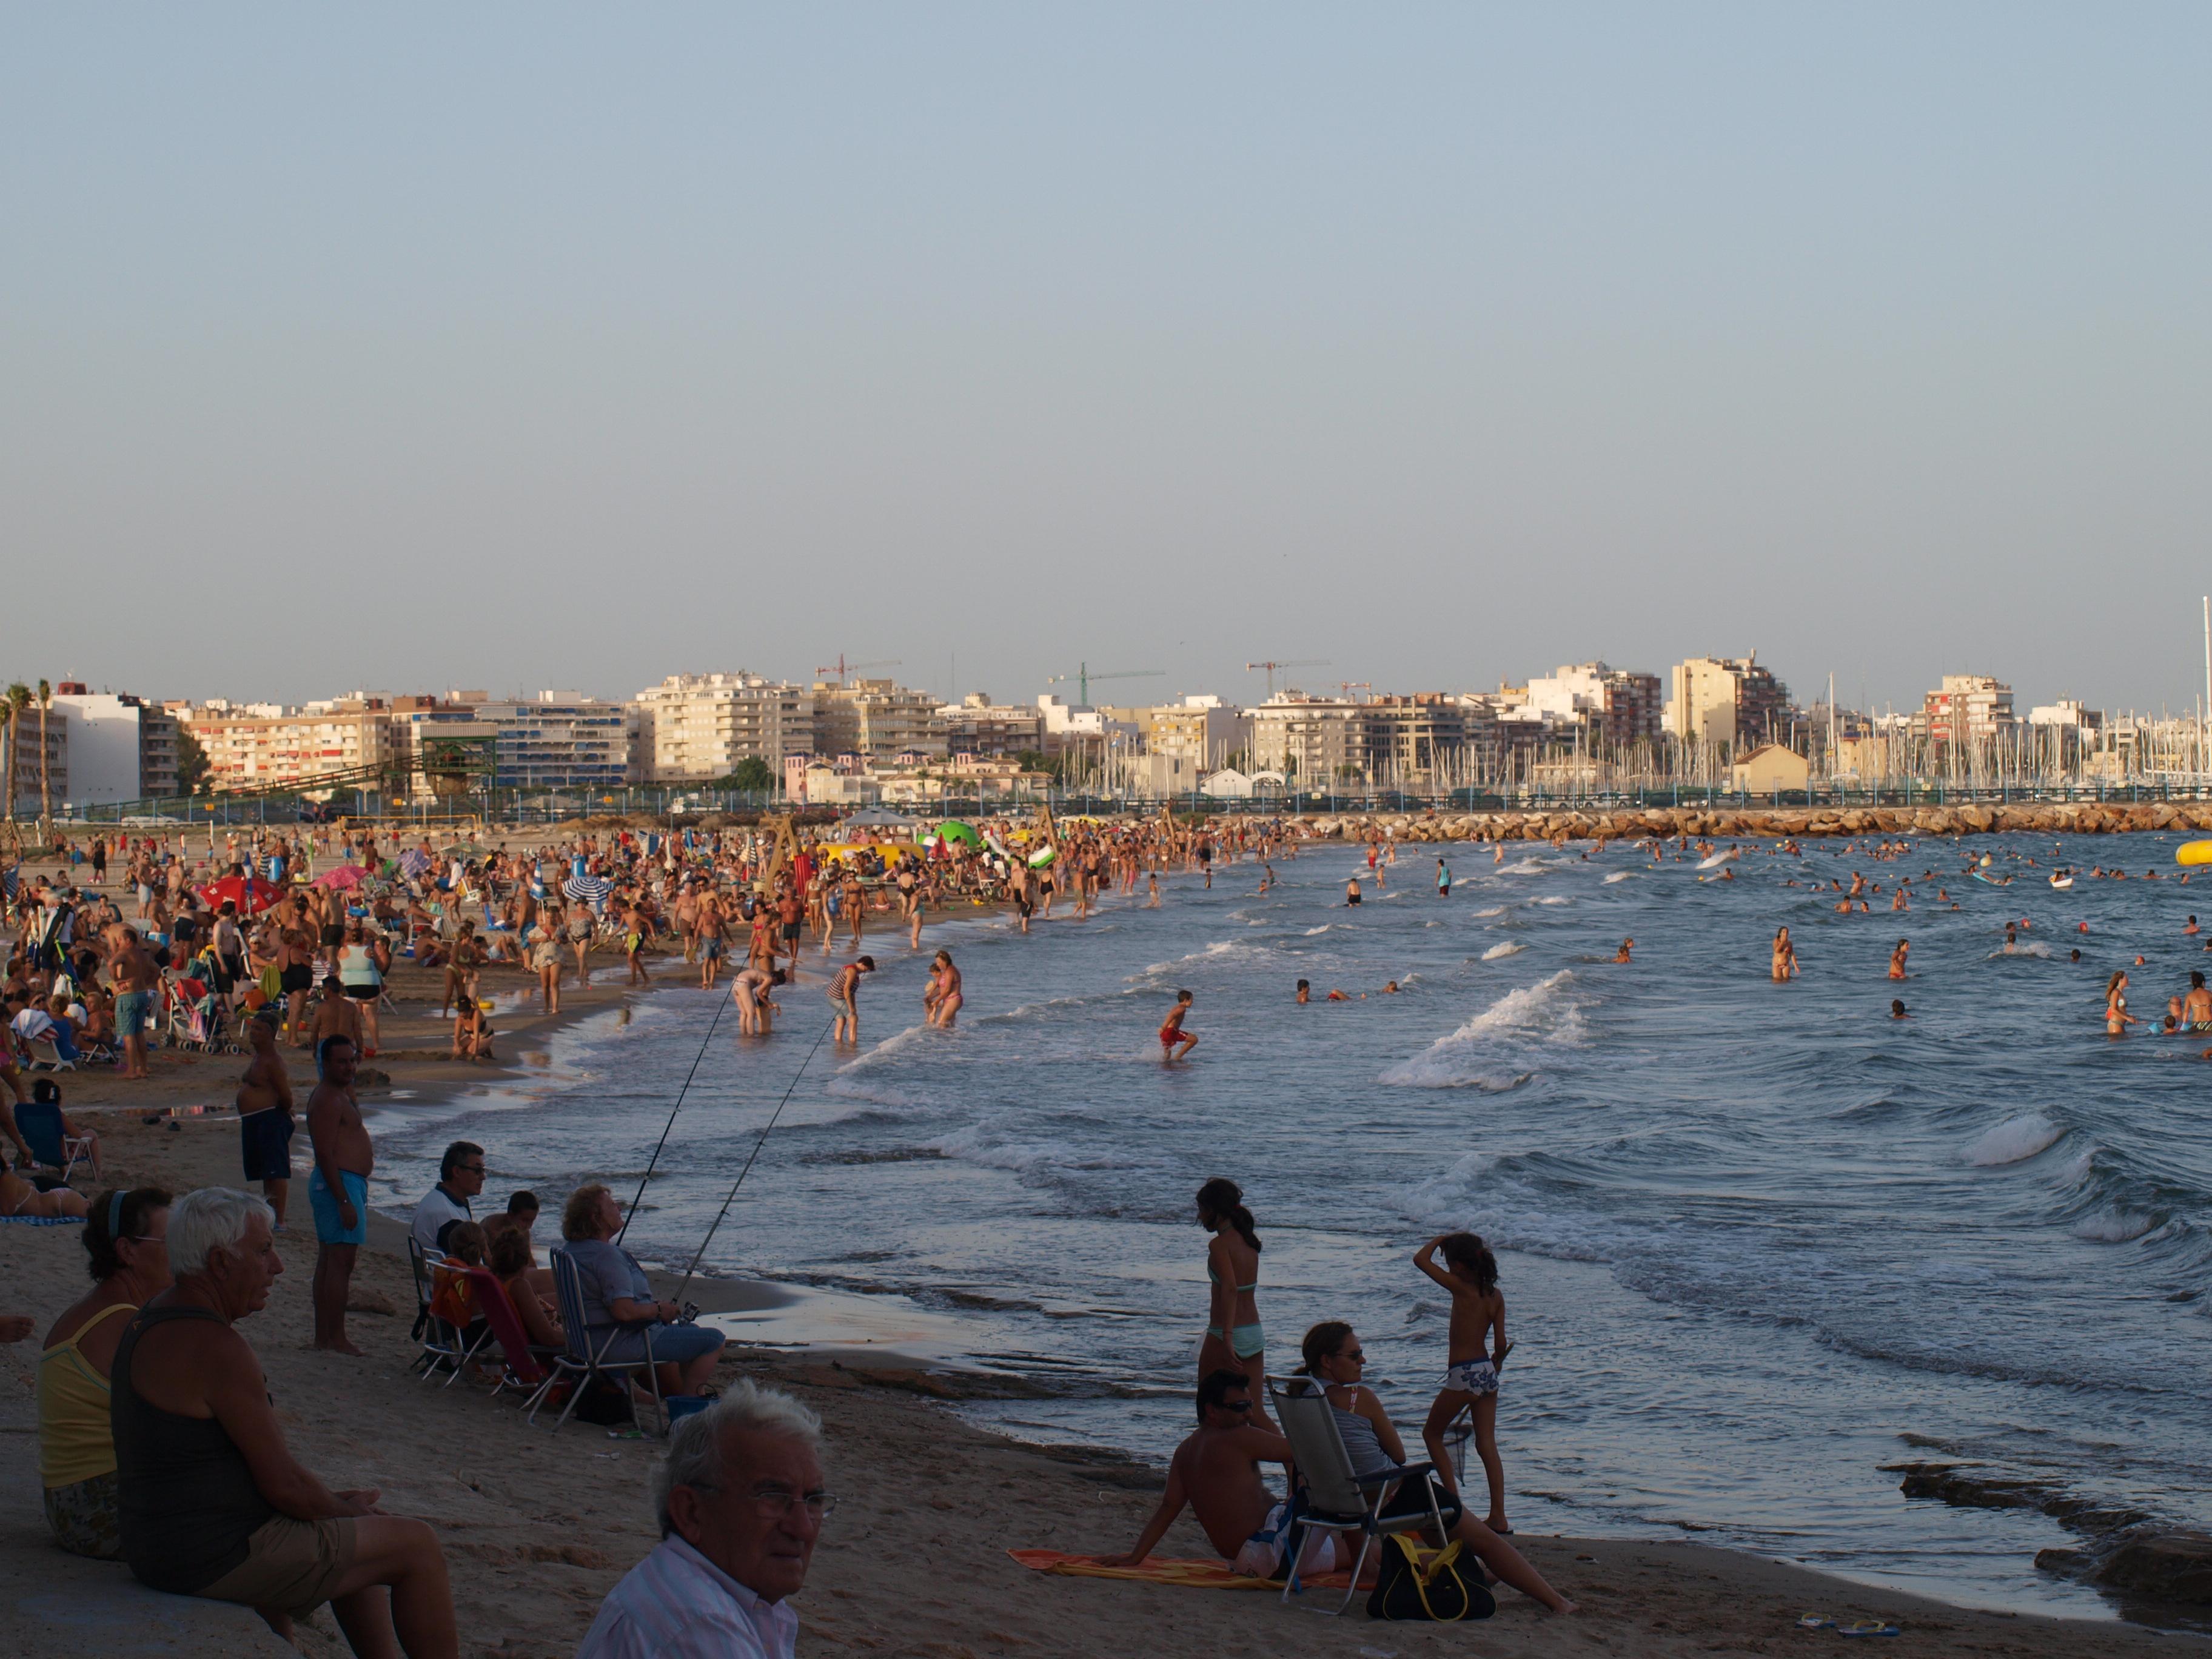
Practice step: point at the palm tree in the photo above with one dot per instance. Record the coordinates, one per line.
(19, 700)
(46, 789)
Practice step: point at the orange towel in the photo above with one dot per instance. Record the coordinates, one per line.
(1194, 1575)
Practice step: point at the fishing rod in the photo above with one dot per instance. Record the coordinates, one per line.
(747, 1169)
(720, 1003)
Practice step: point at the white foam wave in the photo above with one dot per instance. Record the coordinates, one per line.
(2112, 1226)
(2037, 948)
(1323, 928)
(1234, 949)
(1542, 1014)
(887, 1049)
(1508, 949)
(2013, 1139)
(1555, 898)
(1494, 910)
(1618, 875)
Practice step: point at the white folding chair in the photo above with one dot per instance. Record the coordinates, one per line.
(586, 1359)
(1336, 1499)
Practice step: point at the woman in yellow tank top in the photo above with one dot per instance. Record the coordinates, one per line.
(125, 1234)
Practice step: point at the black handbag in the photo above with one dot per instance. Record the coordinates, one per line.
(1417, 1582)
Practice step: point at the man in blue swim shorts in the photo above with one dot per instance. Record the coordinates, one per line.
(337, 1191)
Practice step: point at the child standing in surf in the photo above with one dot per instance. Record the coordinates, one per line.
(1469, 1273)
(1174, 1042)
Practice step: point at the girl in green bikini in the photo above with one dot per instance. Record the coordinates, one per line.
(1234, 1341)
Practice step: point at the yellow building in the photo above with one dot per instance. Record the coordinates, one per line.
(1771, 767)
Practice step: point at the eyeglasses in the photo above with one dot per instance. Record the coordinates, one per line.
(774, 1502)
(1236, 1405)
(1357, 1356)
(470, 1169)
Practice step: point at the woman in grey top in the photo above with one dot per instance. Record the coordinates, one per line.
(617, 1292)
(1334, 1358)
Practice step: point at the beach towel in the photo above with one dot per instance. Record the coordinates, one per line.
(1192, 1575)
(44, 1220)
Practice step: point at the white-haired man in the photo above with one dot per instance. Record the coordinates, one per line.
(211, 1501)
(741, 1502)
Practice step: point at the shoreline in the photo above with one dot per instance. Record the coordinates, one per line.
(920, 1567)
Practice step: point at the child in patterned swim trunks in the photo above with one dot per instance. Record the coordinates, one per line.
(1469, 1273)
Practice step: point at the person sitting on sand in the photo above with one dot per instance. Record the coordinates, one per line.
(45, 1091)
(1336, 1361)
(473, 1033)
(212, 1501)
(617, 1292)
(1215, 1473)
(741, 1499)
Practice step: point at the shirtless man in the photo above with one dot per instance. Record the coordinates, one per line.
(707, 930)
(1216, 1473)
(135, 978)
(265, 1115)
(295, 969)
(339, 1190)
(336, 1015)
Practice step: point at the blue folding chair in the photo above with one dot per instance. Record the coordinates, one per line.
(586, 1359)
(40, 1123)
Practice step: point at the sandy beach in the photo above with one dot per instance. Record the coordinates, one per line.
(537, 1526)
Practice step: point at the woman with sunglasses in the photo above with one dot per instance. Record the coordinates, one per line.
(1334, 1358)
(126, 1233)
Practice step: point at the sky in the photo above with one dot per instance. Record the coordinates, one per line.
(512, 347)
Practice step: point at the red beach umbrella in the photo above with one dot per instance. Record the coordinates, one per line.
(250, 894)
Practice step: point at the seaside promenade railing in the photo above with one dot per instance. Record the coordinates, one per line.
(676, 805)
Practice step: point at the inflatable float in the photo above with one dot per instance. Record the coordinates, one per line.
(2193, 852)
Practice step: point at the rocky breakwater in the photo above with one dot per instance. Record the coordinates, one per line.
(2081, 818)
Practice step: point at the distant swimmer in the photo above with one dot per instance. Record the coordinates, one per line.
(1626, 946)
(1391, 989)
(1899, 902)
(1352, 891)
(1497, 853)
(2012, 938)
(1785, 957)
(1174, 1042)
(1858, 884)
(1305, 992)
(2192, 929)
(1897, 959)
(1443, 882)
(1152, 890)
(1335, 996)
(1897, 1009)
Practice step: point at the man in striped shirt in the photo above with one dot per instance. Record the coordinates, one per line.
(741, 1502)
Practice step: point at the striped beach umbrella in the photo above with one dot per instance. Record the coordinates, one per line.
(588, 889)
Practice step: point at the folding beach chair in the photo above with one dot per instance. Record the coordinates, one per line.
(584, 1362)
(47, 1057)
(443, 1343)
(525, 1363)
(1337, 1499)
(39, 1122)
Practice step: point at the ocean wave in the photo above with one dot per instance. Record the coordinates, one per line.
(1222, 950)
(887, 1049)
(1532, 1016)
(2013, 1141)
(1555, 898)
(1323, 928)
(2035, 948)
(1618, 875)
(1494, 910)
(875, 1094)
(1510, 947)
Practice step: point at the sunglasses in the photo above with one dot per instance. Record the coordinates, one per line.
(1357, 1356)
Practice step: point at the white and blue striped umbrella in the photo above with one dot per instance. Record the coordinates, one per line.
(590, 889)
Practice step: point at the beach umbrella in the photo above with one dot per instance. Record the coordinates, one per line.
(589, 890)
(250, 894)
(346, 875)
(953, 829)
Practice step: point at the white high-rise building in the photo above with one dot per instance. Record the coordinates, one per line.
(122, 748)
(697, 727)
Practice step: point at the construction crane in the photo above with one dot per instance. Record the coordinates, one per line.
(1350, 686)
(844, 668)
(1271, 667)
(1083, 677)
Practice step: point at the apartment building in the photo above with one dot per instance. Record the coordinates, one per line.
(1200, 731)
(265, 745)
(559, 739)
(122, 748)
(1966, 708)
(26, 747)
(976, 725)
(1611, 703)
(876, 717)
(695, 727)
(1729, 701)
(1409, 741)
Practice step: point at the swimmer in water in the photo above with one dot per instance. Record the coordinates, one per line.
(1897, 1009)
(1352, 891)
(2117, 1017)
(1173, 1040)
(2191, 928)
(1443, 879)
(2197, 1007)
(1305, 992)
(1391, 989)
(1784, 964)
(1897, 959)
(1626, 946)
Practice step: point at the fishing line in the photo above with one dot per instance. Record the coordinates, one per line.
(722, 1003)
(747, 1169)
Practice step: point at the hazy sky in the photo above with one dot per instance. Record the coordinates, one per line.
(524, 347)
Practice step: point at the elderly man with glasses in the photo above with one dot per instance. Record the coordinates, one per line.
(741, 1502)
(445, 1206)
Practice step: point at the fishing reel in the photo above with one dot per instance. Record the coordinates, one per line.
(690, 1315)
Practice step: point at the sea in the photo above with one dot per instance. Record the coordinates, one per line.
(1763, 1246)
